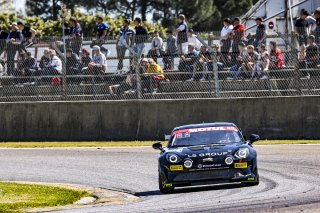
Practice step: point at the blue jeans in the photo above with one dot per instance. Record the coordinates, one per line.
(138, 48)
(235, 71)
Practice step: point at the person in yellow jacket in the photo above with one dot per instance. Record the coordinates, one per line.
(151, 67)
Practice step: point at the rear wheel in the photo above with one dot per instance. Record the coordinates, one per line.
(164, 188)
(256, 179)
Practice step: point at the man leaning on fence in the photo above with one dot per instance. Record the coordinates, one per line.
(28, 34)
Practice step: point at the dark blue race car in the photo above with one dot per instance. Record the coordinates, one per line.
(208, 153)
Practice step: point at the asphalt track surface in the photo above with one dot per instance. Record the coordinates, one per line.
(289, 179)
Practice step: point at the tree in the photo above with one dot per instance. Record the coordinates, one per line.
(46, 9)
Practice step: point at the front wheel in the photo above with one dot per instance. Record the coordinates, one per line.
(163, 187)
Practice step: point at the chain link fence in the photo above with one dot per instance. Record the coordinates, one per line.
(203, 67)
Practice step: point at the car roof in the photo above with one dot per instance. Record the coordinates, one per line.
(203, 125)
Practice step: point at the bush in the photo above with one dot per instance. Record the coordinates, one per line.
(52, 28)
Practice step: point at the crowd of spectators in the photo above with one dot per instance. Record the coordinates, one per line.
(242, 56)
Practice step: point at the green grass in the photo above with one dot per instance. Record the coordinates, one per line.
(126, 143)
(73, 144)
(14, 197)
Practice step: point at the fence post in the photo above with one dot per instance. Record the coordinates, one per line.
(297, 73)
(64, 69)
(138, 76)
(215, 74)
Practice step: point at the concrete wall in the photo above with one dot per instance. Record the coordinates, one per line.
(272, 118)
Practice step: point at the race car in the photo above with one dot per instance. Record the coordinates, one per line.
(208, 153)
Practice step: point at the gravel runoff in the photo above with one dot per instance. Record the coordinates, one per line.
(289, 179)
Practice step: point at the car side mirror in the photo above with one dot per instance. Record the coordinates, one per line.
(157, 145)
(253, 138)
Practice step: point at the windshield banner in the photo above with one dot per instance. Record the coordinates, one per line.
(205, 129)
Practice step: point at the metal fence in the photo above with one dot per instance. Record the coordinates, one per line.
(204, 67)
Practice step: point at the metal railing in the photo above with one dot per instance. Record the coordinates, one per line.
(204, 69)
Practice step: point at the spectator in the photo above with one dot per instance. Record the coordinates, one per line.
(302, 26)
(75, 37)
(170, 52)
(14, 45)
(262, 66)
(204, 64)
(237, 36)
(237, 67)
(317, 29)
(312, 53)
(102, 31)
(302, 57)
(249, 61)
(125, 42)
(220, 63)
(30, 65)
(141, 36)
(67, 30)
(45, 59)
(261, 33)
(182, 37)
(192, 38)
(152, 81)
(225, 40)
(188, 61)
(72, 63)
(20, 65)
(98, 65)
(55, 66)
(276, 61)
(3, 36)
(156, 47)
(85, 59)
(28, 35)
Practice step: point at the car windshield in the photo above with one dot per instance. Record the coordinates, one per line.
(205, 136)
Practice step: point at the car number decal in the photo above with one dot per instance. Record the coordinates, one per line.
(176, 168)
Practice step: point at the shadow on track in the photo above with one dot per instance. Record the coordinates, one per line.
(192, 189)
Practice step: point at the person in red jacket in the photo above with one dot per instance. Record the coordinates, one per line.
(276, 60)
(238, 33)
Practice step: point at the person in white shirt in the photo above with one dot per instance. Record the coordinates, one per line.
(98, 65)
(156, 47)
(192, 39)
(55, 65)
(225, 40)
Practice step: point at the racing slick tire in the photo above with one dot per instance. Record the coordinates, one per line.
(162, 186)
(256, 179)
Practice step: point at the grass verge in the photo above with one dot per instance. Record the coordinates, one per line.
(126, 143)
(14, 197)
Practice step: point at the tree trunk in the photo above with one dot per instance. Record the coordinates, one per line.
(144, 7)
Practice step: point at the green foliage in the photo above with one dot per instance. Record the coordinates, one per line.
(51, 28)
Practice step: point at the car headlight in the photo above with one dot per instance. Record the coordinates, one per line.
(242, 153)
(173, 158)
